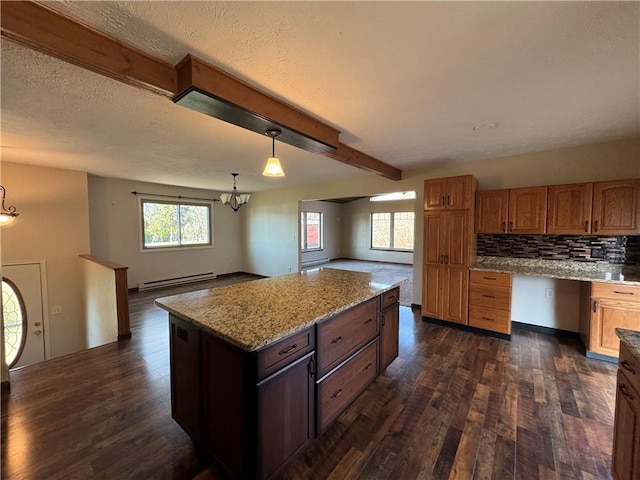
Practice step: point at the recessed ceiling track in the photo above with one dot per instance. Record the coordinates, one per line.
(211, 91)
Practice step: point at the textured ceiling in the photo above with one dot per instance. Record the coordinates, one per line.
(404, 82)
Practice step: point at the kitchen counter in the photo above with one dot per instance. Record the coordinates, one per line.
(254, 314)
(631, 340)
(565, 270)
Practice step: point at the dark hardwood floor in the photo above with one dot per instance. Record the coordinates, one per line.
(453, 405)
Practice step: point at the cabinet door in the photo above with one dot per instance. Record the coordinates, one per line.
(433, 247)
(606, 316)
(434, 194)
(458, 192)
(570, 209)
(432, 286)
(184, 351)
(625, 462)
(389, 335)
(455, 296)
(491, 211)
(616, 207)
(285, 416)
(455, 238)
(528, 210)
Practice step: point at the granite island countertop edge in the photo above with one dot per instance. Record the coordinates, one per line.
(631, 340)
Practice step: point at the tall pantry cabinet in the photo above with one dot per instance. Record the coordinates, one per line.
(449, 247)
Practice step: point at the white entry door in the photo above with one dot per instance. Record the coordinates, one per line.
(24, 281)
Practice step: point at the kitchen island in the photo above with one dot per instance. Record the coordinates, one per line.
(259, 369)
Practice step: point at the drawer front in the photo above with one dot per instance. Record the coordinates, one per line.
(490, 278)
(490, 297)
(630, 366)
(282, 353)
(338, 390)
(490, 319)
(390, 297)
(617, 292)
(342, 335)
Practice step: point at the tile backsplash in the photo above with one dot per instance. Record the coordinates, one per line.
(615, 250)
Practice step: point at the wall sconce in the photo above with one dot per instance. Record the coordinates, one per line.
(234, 199)
(273, 168)
(7, 215)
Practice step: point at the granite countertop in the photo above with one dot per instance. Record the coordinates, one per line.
(631, 340)
(586, 272)
(257, 313)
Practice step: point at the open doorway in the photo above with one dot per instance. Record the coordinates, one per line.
(369, 233)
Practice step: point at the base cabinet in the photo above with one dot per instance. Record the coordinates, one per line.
(625, 461)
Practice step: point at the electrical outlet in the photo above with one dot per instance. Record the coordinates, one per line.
(597, 253)
(548, 292)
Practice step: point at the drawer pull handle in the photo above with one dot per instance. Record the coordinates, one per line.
(337, 393)
(336, 340)
(623, 293)
(368, 320)
(488, 296)
(488, 319)
(595, 305)
(625, 364)
(284, 351)
(625, 391)
(490, 278)
(367, 367)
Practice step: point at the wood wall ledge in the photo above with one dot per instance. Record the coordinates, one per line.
(45, 30)
(103, 262)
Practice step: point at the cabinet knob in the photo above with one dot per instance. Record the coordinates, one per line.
(504, 227)
(595, 226)
(595, 305)
(625, 391)
(586, 226)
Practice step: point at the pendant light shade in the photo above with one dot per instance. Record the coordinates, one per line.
(273, 167)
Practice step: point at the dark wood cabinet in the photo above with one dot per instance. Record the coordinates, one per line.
(569, 211)
(616, 207)
(184, 351)
(389, 328)
(625, 461)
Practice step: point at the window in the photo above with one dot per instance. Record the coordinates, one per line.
(310, 231)
(392, 231)
(174, 225)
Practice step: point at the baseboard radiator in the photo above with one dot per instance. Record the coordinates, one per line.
(176, 281)
(310, 263)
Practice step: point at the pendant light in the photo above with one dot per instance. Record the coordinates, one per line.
(234, 199)
(7, 215)
(273, 168)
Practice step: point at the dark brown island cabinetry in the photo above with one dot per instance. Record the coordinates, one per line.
(625, 461)
(255, 411)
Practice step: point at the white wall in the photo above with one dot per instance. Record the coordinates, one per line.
(115, 233)
(529, 303)
(331, 230)
(272, 215)
(53, 226)
(357, 230)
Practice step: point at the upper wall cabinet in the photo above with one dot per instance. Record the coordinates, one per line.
(492, 213)
(570, 209)
(616, 207)
(452, 193)
(518, 210)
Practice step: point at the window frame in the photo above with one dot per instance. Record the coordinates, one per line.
(391, 248)
(303, 232)
(171, 201)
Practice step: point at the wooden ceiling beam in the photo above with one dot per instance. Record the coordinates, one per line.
(45, 30)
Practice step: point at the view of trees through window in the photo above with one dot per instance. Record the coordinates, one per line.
(392, 230)
(167, 224)
(310, 230)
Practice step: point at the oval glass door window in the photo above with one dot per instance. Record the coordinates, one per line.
(15, 322)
